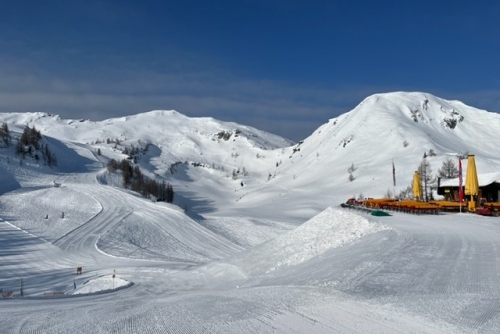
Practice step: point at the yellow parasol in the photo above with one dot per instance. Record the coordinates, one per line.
(416, 186)
(471, 183)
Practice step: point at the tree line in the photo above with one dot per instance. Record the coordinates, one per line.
(30, 143)
(135, 180)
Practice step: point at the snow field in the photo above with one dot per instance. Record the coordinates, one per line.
(273, 256)
(58, 210)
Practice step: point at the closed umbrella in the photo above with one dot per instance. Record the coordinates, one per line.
(416, 187)
(471, 183)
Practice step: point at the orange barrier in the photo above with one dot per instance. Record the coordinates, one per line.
(417, 207)
(377, 202)
(412, 206)
(449, 205)
(408, 206)
(495, 205)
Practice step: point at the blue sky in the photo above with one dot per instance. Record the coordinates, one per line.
(282, 66)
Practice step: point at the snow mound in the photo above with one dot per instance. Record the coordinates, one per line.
(101, 284)
(329, 229)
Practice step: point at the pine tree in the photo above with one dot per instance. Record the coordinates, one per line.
(170, 193)
(5, 134)
(24, 139)
(20, 148)
(163, 191)
(112, 165)
(127, 172)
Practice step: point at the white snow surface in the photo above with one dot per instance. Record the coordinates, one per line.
(98, 285)
(255, 240)
(329, 229)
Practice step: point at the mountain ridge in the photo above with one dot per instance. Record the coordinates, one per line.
(240, 168)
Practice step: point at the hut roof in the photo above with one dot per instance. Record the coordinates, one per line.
(484, 180)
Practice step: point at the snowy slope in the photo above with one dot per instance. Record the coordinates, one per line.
(395, 127)
(263, 247)
(218, 155)
(226, 168)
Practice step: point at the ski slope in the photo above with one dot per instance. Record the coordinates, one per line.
(432, 274)
(272, 255)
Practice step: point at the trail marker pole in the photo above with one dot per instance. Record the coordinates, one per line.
(460, 191)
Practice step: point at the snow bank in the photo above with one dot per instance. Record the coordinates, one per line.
(330, 229)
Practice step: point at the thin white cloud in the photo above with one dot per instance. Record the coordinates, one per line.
(293, 111)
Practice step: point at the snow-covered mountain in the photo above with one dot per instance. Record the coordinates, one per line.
(264, 247)
(384, 128)
(233, 169)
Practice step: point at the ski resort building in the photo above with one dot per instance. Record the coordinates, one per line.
(489, 187)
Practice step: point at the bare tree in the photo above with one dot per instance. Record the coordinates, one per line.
(406, 193)
(351, 177)
(426, 178)
(448, 170)
(351, 168)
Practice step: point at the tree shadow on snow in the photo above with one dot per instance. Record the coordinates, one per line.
(194, 205)
(15, 242)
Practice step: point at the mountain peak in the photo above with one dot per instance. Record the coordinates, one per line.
(207, 156)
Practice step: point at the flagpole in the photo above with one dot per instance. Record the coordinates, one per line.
(393, 179)
(460, 192)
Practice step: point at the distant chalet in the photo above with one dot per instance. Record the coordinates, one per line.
(489, 187)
